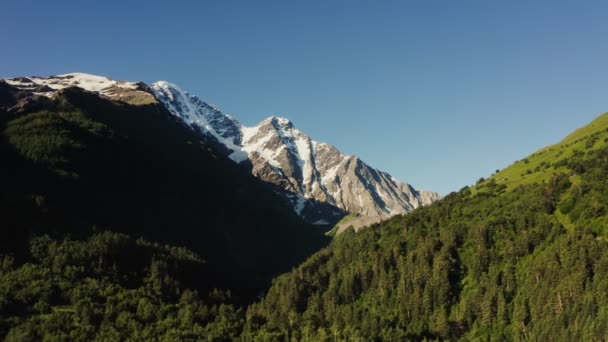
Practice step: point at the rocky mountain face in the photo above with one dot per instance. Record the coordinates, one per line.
(321, 183)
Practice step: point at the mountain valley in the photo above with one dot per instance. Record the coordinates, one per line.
(135, 212)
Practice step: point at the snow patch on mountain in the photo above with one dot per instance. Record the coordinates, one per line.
(105, 86)
(88, 82)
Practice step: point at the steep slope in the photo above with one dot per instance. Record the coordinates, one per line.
(550, 160)
(508, 261)
(76, 162)
(321, 183)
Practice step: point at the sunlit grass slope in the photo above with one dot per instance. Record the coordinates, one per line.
(544, 163)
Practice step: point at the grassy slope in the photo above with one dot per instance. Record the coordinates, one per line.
(542, 164)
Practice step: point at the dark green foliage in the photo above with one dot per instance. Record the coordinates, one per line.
(110, 287)
(499, 265)
(78, 166)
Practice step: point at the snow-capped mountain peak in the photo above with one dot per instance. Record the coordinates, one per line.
(321, 183)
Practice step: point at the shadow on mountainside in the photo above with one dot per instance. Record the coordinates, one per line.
(80, 164)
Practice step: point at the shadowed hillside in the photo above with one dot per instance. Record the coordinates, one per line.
(80, 164)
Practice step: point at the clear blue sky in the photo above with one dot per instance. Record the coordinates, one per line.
(437, 93)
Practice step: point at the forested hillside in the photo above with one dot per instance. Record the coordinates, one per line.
(97, 194)
(112, 287)
(525, 261)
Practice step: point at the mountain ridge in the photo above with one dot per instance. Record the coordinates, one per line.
(305, 170)
(321, 184)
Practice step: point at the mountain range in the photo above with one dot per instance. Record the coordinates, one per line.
(321, 184)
